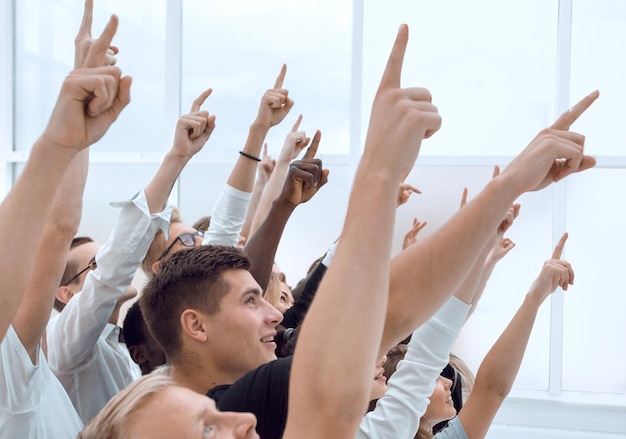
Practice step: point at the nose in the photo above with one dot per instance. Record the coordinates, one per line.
(447, 383)
(382, 361)
(274, 316)
(198, 240)
(241, 424)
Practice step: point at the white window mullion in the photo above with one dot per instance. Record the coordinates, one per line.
(562, 97)
(173, 78)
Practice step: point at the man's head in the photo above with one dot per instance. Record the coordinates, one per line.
(80, 261)
(143, 348)
(181, 237)
(203, 302)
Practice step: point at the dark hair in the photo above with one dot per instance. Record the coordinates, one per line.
(71, 267)
(134, 326)
(189, 279)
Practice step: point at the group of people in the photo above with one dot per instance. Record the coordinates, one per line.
(217, 344)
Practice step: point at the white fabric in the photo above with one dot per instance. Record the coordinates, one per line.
(398, 412)
(454, 430)
(33, 404)
(83, 348)
(229, 215)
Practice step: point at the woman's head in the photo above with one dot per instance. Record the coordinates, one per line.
(155, 407)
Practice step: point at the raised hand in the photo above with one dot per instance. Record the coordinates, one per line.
(411, 237)
(194, 129)
(401, 117)
(500, 249)
(463, 198)
(275, 103)
(555, 273)
(405, 192)
(305, 176)
(295, 142)
(91, 98)
(507, 222)
(553, 154)
(266, 166)
(84, 41)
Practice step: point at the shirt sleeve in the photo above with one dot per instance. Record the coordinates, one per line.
(228, 217)
(73, 334)
(398, 412)
(454, 430)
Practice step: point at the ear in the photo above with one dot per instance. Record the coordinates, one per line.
(155, 266)
(138, 354)
(64, 294)
(192, 325)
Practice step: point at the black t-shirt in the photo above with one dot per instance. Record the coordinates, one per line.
(263, 391)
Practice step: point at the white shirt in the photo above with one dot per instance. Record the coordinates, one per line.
(397, 414)
(229, 215)
(83, 348)
(33, 404)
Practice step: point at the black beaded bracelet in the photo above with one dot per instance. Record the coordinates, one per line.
(250, 156)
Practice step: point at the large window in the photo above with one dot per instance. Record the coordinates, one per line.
(498, 71)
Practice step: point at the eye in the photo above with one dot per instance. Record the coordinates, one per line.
(208, 432)
(251, 300)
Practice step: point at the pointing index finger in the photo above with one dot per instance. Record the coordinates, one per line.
(85, 25)
(393, 70)
(297, 124)
(565, 121)
(197, 103)
(281, 77)
(312, 150)
(558, 250)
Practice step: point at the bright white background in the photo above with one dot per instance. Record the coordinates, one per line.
(499, 71)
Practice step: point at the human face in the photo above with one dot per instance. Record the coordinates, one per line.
(379, 386)
(241, 333)
(441, 407)
(286, 298)
(183, 413)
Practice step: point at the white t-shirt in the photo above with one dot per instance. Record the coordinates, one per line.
(33, 404)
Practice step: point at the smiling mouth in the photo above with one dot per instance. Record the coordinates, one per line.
(269, 339)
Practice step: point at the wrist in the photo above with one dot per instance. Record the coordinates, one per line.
(259, 126)
(47, 145)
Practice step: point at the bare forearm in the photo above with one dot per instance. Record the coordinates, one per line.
(253, 206)
(159, 189)
(499, 368)
(262, 246)
(271, 192)
(244, 171)
(62, 225)
(425, 275)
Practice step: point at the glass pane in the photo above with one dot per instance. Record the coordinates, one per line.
(490, 66)
(45, 32)
(598, 31)
(238, 48)
(512, 277)
(594, 326)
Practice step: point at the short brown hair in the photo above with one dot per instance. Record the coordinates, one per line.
(189, 279)
(158, 245)
(71, 268)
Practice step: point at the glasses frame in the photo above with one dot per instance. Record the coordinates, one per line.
(92, 266)
(180, 238)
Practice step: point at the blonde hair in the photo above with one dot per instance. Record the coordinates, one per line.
(115, 419)
(158, 245)
(272, 293)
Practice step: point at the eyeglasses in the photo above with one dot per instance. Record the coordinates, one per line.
(92, 266)
(188, 240)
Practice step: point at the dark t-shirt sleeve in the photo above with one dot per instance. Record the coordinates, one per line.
(294, 316)
(264, 392)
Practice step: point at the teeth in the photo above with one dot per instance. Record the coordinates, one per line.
(267, 339)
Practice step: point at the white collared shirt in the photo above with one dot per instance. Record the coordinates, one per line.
(83, 348)
(33, 404)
